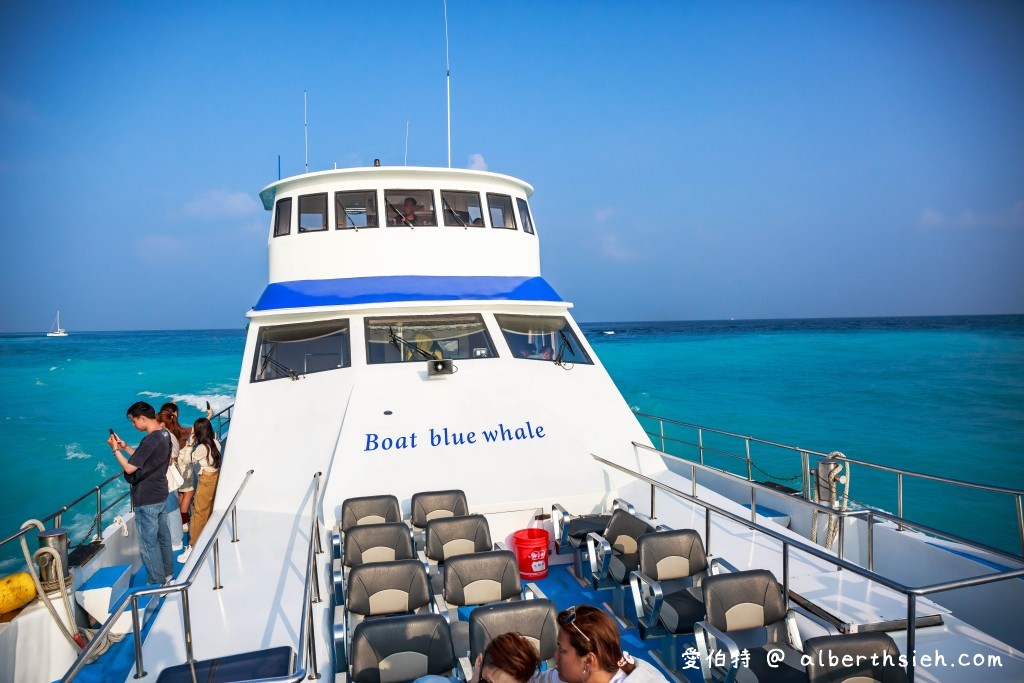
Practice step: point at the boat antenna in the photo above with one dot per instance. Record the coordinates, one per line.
(448, 82)
(278, 166)
(406, 161)
(305, 129)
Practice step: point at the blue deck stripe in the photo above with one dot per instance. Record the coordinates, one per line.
(375, 290)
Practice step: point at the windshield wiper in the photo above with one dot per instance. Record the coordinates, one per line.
(561, 349)
(400, 215)
(455, 215)
(349, 218)
(280, 367)
(396, 340)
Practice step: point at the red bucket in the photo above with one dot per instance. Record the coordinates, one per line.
(532, 553)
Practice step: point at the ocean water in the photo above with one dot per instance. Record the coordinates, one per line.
(940, 395)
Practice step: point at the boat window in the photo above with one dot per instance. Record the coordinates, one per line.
(355, 210)
(524, 215)
(313, 212)
(542, 337)
(462, 208)
(283, 217)
(418, 338)
(410, 207)
(296, 350)
(500, 206)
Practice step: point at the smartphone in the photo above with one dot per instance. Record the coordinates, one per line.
(207, 405)
(111, 432)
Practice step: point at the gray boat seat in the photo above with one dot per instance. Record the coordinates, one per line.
(369, 510)
(615, 553)
(477, 579)
(379, 588)
(667, 586)
(578, 528)
(536, 620)
(859, 667)
(430, 505)
(746, 611)
(398, 649)
(364, 510)
(371, 543)
(448, 537)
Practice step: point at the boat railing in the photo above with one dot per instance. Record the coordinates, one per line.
(183, 587)
(221, 420)
(57, 516)
(912, 593)
(806, 473)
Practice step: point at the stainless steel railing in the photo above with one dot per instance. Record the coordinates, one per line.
(805, 469)
(911, 592)
(133, 597)
(221, 420)
(101, 509)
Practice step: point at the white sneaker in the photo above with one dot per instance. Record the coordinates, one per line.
(184, 527)
(184, 555)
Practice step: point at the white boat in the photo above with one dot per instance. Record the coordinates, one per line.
(55, 329)
(403, 347)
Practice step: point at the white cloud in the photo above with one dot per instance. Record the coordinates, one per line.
(614, 250)
(477, 162)
(222, 204)
(970, 219)
(158, 248)
(605, 214)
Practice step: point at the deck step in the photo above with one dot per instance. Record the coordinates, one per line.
(103, 590)
(277, 661)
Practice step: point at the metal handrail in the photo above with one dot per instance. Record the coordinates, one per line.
(134, 596)
(58, 514)
(912, 592)
(900, 473)
(223, 418)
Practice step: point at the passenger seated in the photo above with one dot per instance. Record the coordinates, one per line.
(408, 215)
(546, 353)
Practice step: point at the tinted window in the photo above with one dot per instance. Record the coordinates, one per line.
(295, 350)
(500, 206)
(547, 338)
(313, 212)
(524, 215)
(419, 338)
(355, 210)
(462, 208)
(283, 217)
(410, 207)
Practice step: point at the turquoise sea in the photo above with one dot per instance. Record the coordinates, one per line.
(940, 395)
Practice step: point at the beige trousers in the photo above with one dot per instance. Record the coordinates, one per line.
(202, 505)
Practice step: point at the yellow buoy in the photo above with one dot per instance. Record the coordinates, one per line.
(16, 590)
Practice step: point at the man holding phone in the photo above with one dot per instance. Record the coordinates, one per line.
(145, 470)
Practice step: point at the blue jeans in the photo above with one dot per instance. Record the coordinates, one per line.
(154, 541)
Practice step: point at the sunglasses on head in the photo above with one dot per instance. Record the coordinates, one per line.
(569, 619)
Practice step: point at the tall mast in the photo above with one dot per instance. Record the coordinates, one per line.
(448, 82)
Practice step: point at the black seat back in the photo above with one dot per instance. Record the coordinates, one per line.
(379, 588)
(868, 656)
(624, 531)
(453, 536)
(674, 554)
(536, 620)
(430, 505)
(369, 510)
(377, 543)
(748, 605)
(480, 578)
(399, 649)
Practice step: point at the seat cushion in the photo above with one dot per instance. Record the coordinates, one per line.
(682, 609)
(622, 565)
(579, 527)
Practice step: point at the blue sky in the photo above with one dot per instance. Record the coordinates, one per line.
(692, 160)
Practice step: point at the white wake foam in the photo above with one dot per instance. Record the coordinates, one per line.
(73, 451)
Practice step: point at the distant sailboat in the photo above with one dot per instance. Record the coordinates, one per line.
(55, 329)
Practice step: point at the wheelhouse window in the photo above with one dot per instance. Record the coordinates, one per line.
(462, 208)
(354, 210)
(500, 206)
(542, 337)
(524, 215)
(410, 207)
(402, 339)
(283, 217)
(313, 212)
(296, 350)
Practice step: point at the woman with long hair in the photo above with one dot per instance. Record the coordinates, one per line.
(203, 450)
(589, 651)
(509, 658)
(168, 416)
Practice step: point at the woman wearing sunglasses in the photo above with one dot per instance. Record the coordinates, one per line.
(589, 651)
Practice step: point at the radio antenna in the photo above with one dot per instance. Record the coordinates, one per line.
(406, 161)
(305, 129)
(448, 82)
